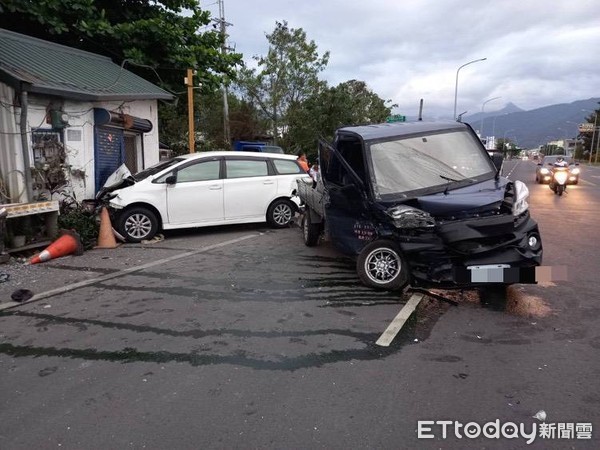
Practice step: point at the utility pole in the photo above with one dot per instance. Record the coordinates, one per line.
(223, 24)
(189, 82)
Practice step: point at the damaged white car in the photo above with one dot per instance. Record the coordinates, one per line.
(203, 189)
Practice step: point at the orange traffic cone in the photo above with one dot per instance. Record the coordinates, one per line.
(68, 243)
(106, 238)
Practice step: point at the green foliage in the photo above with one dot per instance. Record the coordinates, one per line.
(349, 103)
(74, 216)
(146, 32)
(286, 76)
(587, 137)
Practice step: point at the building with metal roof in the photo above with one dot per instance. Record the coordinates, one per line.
(59, 104)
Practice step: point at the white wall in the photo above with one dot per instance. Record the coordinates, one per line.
(78, 136)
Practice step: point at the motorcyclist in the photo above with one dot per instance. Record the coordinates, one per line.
(560, 162)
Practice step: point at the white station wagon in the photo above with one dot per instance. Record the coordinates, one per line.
(204, 189)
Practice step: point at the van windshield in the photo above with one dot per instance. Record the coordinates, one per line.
(428, 163)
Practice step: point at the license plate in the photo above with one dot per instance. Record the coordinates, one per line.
(490, 273)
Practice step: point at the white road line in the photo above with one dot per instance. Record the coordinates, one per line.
(581, 180)
(392, 330)
(80, 284)
(513, 169)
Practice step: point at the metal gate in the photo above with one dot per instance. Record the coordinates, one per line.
(109, 153)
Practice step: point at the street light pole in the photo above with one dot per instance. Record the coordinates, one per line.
(482, 117)
(494, 125)
(504, 138)
(456, 84)
(593, 136)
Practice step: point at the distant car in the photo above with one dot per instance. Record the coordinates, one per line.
(543, 175)
(204, 189)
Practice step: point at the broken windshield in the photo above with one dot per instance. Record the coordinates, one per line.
(421, 163)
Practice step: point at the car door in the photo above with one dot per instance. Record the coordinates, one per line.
(346, 207)
(197, 195)
(249, 187)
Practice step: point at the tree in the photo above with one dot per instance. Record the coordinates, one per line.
(588, 145)
(349, 103)
(154, 36)
(286, 76)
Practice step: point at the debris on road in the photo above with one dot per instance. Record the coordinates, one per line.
(4, 277)
(154, 240)
(21, 295)
(540, 415)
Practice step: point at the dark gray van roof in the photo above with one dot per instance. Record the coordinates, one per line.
(390, 130)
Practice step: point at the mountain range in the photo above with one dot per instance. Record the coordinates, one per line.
(529, 129)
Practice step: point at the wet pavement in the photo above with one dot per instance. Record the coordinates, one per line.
(250, 339)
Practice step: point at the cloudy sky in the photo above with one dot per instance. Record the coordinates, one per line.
(539, 52)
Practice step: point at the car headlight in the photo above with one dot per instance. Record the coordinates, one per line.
(576, 171)
(544, 171)
(521, 195)
(409, 217)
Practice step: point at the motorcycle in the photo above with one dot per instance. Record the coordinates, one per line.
(558, 182)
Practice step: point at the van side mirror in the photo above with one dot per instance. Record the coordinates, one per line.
(497, 159)
(171, 179)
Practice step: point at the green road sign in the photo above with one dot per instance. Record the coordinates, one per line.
(396, 118)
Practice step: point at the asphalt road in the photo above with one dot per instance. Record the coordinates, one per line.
(261, 342)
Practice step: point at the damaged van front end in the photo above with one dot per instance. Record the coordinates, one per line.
(423, 203)
(446, 246)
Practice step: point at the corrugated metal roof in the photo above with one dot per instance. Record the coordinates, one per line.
(68, 72)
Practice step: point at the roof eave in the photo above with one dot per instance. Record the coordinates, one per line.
(97, 97)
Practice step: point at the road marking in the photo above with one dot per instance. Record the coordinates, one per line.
(80, 284)
(587, 182)
(392, 330)
(513, 169)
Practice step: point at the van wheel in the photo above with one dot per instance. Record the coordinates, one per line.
(381, 265)
(137, 224)
(310, 231)
(280, 213)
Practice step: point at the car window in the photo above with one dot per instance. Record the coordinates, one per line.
(285, 166)
(239, 168)
(202, 171)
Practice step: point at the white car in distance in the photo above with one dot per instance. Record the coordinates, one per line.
(204, 189)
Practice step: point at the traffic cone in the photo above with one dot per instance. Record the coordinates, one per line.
(106, 238)
(68, 243)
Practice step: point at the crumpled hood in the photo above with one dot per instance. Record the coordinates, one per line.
(477, 198)
(120, 178)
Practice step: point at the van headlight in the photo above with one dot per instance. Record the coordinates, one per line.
(520, 204)
(409, 217)
(544, 171)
